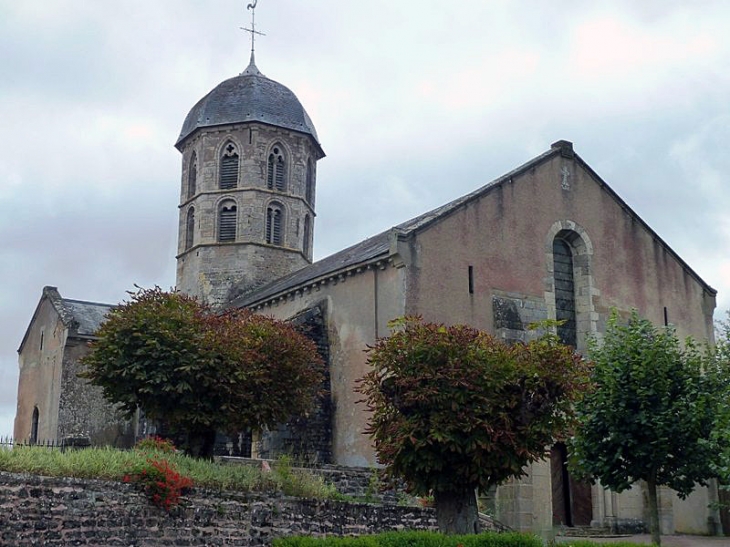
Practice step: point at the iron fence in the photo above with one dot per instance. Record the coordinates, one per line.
(7, 443)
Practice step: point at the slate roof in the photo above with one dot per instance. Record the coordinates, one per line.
(379, 245)
(249, 97)
(82, 318)
(87, 316)
(359, 253)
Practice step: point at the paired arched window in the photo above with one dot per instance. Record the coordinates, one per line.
(189, 228)
(228, 172)
(192, 175)
(34, 426)
(309, 190)
(227, 216)
(274, 224)
(276, 169)
(307, 232)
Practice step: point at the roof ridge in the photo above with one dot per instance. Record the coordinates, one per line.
(76, 301)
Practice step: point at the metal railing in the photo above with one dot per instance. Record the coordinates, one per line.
(7, 443)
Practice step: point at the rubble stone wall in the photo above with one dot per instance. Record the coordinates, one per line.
(61, 511)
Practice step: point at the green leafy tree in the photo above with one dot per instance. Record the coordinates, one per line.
(651, 414)
(200, 371)
(721, 432)
(454, 410)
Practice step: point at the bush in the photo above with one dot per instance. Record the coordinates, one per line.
(155, 443)
(162, 483)
(416, 539)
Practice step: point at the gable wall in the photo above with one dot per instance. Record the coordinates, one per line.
(505, 235)
(40, 374)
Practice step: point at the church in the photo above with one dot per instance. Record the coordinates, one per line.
(547, 240)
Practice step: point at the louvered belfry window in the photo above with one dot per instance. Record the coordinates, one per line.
(274, 223)
(193, 175)
(229, 167)
(227, 222)
(276, 172)
(189, 228)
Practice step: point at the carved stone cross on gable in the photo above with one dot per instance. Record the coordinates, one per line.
(565, 183)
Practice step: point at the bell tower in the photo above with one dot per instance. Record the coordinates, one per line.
(248, 186)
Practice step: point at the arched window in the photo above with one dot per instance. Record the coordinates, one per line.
(276, 172)
(309, 192)
(274, 223)
(34, 426)
(190, 228)
(307, 230)
(193, 175)
(227, 221)
(228, 176)
(564, 291)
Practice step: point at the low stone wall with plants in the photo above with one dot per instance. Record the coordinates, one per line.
(56, 511)
(362, 483)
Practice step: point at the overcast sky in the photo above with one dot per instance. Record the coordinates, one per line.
(416, 102)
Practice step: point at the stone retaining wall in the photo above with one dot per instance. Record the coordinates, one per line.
(57, 511)
(362, 483)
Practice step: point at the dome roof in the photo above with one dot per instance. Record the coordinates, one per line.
(248, 97)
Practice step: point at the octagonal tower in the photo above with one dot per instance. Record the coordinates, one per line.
(249, 156)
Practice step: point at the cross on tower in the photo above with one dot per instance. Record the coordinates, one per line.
(253, 30)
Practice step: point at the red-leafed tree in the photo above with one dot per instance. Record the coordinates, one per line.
(201, 371)
(455, 410)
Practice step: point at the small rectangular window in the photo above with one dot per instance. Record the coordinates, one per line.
(471, 279)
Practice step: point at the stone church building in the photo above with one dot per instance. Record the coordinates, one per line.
(548, 240)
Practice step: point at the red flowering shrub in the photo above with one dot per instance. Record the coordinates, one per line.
(162, 484)
(157, 443)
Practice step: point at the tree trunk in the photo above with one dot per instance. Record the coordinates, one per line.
(656, 537)
(456, 511)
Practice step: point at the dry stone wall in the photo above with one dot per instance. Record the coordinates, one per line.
(56, 511)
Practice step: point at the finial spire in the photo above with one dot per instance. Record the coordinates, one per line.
(253, 32)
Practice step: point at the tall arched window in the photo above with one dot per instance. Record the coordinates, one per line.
(228, 177)
(309, 191)
(190, 228)
(276, 171)
(193, 175)
(307, 231)
(227, 221)
(274, 223)
(34, 426)
(564, 291)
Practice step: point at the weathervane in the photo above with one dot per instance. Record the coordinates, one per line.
(253, 30)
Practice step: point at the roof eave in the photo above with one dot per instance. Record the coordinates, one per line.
(180, 143)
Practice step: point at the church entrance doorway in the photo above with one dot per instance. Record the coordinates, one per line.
(572, 504)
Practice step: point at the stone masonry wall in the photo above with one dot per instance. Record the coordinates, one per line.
(307, 438)
(56, 511)
(513, 313)
(83, 411)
